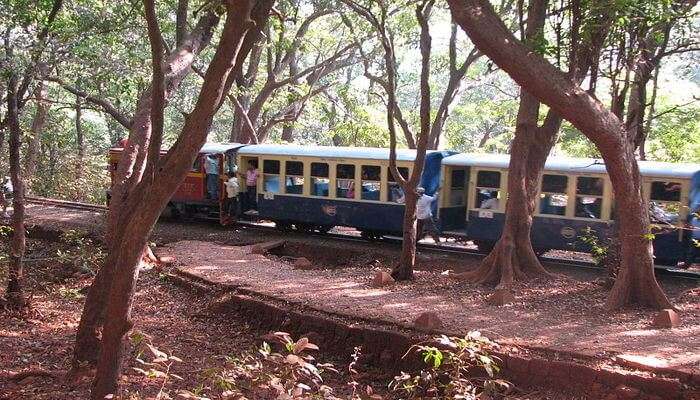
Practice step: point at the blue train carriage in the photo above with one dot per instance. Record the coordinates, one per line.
(575, 195)
(319, 187)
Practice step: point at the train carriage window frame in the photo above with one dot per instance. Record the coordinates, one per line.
(395, 193)
(487, 183)
(197, 164)
(370, 179)
(458, 187)
(271, 175)
(551, 190)
(665, 206)
(320, 176)
(345, 181)
(294, 177)
(589, 197)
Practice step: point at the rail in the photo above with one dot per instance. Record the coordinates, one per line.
(437, 248)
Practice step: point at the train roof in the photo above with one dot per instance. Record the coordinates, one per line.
(576, 165)
(366, 153)
(219, 148)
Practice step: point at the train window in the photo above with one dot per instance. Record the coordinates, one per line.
(197, 165)
(457, 187)
(345, 181)
(371, 182)
(553, 198)
(396, 194)
(665, 191)
(294, 177)
(488, 190)
(319, 179)
(664, 206)
(589, 197)
(271, 178)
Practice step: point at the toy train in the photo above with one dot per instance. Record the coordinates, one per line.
(317, 187)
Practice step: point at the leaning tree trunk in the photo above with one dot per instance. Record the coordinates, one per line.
(146, 200)
(131, 165)
(15, 282)
(404, 269)
(636, 283)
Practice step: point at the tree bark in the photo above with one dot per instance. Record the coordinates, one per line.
(15, 283)
(148, 197)
(129, 171)
(37, 128)
(636, 283)
(79, 138)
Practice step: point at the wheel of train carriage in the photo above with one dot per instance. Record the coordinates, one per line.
(484, 246)
(284, 226)
(370, 235)
(323, 228)
(303, 227)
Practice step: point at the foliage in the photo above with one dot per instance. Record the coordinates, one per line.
(598, 247)
(451, 369)
(82, 253)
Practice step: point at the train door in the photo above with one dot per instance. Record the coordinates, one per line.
(453, 207)
(668, 214)
(248, 193)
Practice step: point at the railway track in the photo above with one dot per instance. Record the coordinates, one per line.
(425, 247)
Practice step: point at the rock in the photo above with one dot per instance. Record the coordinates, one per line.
(666, 318)
(501, 297)
(428, 321)
(623, 392)
(166, 260)
(302, 263)
(382, 279)
(263, 248)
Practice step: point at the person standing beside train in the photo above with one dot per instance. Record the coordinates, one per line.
(232, 190)
(211, 167)
(251, 186)
(424, 214)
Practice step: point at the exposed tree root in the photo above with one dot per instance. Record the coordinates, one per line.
(18, 376)
(508, 262)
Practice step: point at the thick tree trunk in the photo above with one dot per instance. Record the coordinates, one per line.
(150, 195)
(404, 269)
(37, 128)
(15, 283)
(129, 171)
(636, 283)
(513, 257)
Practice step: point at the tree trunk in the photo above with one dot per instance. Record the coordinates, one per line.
(129, 171)
(636, 283)
(146, 199)
(404, 270)
(15, 282)
(80, 139)
(37, 128)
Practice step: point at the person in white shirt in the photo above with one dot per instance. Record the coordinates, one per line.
(424, 215)
(232, 190)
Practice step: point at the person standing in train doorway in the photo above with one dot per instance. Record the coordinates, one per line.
(211, 167)
(251, 186)
(424, 214)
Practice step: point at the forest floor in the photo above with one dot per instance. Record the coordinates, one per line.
(174, 320)
(565, 314)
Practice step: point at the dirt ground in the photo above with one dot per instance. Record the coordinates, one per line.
(566, 314)
(177, 321)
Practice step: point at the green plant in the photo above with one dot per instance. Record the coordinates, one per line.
(290, 373)
(158, 368)
(453, 363)
(82, 253)
(599, 249)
